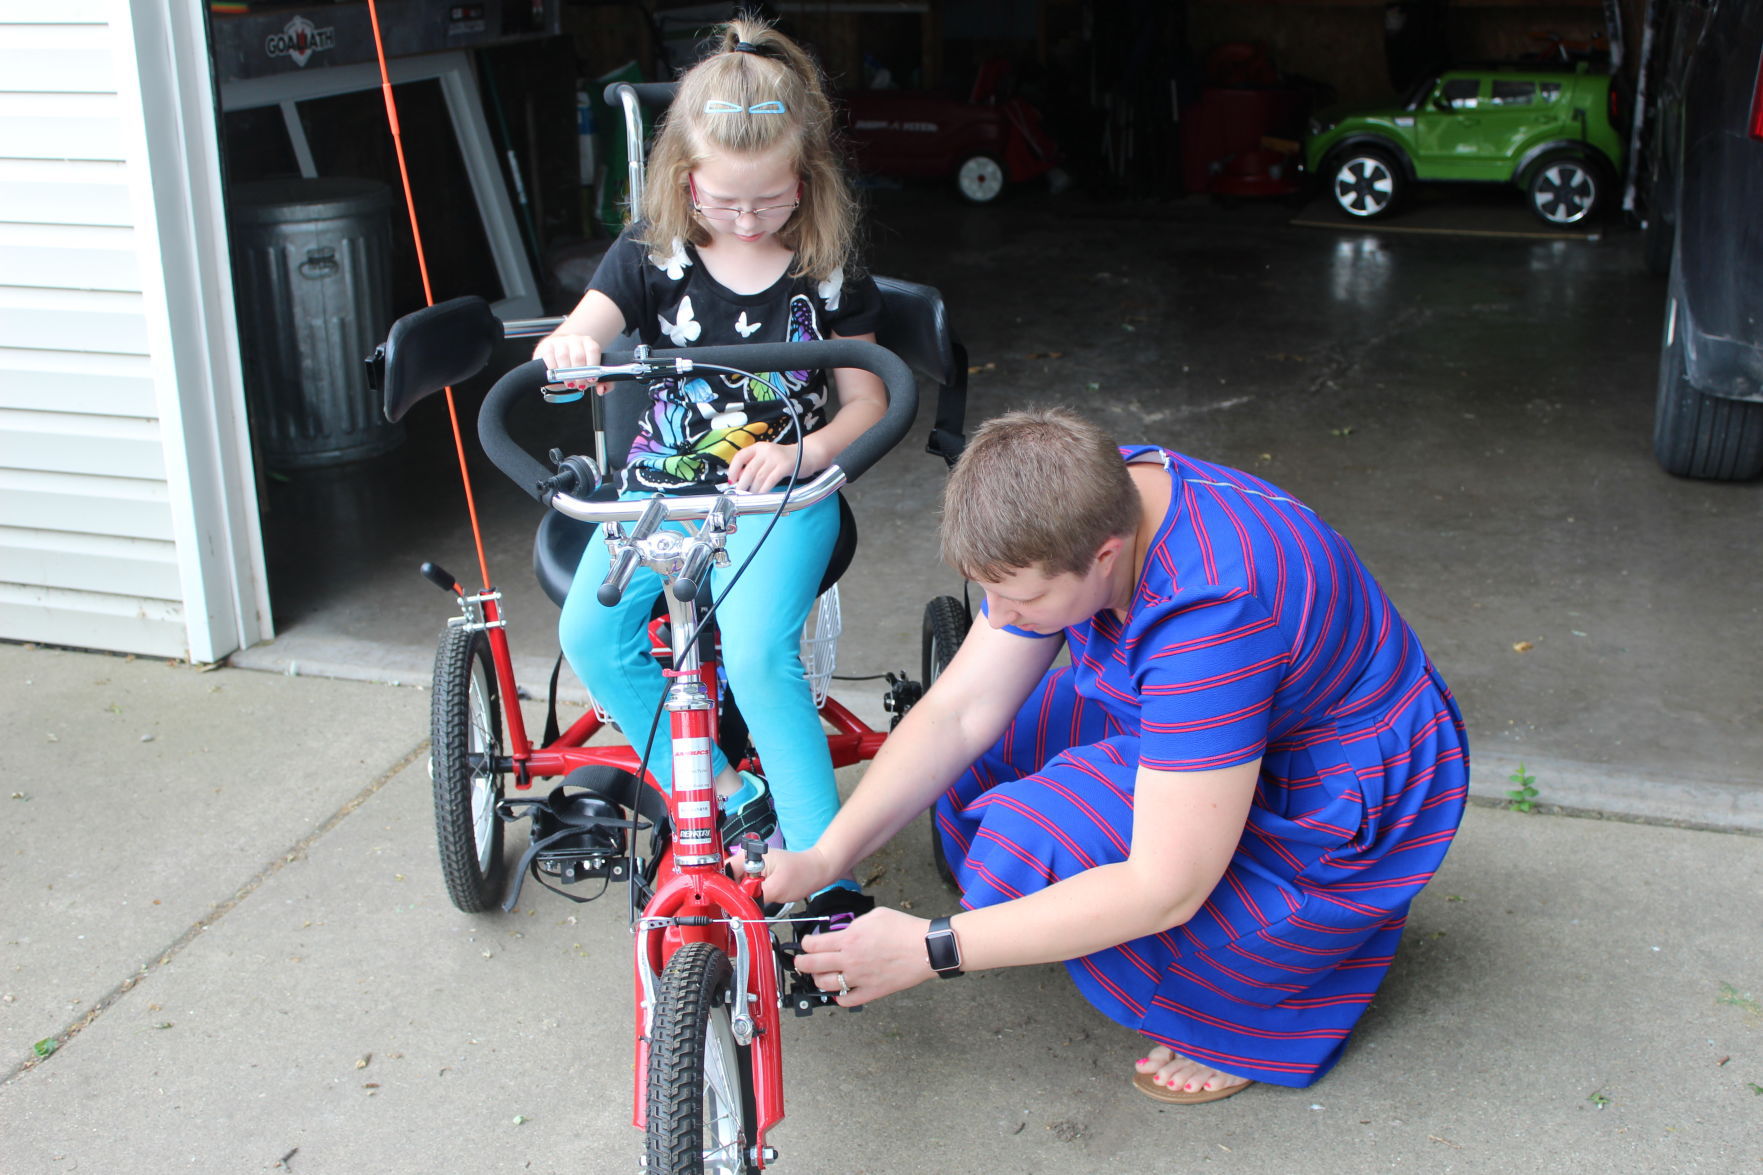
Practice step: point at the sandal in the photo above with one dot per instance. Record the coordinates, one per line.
(1182, 1097)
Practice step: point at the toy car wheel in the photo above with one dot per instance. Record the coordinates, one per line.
(1366, 182)
(1698, 435)
(980, 179)
(1565, 189)
(465, 739)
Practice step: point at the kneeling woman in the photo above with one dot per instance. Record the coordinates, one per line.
(1217, 814)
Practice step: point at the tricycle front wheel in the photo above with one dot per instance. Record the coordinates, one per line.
(465, 741)
(700, 1092)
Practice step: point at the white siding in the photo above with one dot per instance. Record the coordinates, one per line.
(126, 516)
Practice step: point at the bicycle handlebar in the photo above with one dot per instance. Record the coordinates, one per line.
(532, 475)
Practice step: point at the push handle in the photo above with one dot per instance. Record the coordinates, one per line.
(648, 93)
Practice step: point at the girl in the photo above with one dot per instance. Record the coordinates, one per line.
(746, 233)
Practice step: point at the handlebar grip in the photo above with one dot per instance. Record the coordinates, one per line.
(690, 580)
(522, 468)
(617, 579)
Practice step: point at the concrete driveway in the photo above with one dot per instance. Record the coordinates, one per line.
(224, 913)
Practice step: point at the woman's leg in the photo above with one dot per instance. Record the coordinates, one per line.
(760, 620)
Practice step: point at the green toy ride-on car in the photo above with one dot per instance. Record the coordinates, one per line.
(1550, 132)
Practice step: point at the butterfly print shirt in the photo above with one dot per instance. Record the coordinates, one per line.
(696, 423)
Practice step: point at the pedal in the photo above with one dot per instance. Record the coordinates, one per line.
(800, 993)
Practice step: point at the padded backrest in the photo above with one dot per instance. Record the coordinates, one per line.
(433, 348)
(915, 327)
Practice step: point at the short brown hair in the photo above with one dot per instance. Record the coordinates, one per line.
(822, 232)
(1040, 487)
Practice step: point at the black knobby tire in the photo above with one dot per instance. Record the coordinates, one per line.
(945, 627)
(700, 1086)
(1366, 182)
(465, 739)
(1698, 435)
(1566, 190)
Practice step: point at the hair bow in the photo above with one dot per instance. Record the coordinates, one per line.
(718, 106)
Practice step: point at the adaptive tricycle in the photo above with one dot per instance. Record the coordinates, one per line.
(712, 966)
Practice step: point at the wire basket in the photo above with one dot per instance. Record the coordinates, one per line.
(820, 649)
(820, 642)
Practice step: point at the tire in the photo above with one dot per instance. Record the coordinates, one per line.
(1366, 182)
(1698, 435)
(1566, 190)
(465, 738)
(700, 1088)
(980, 179)
(945, 627)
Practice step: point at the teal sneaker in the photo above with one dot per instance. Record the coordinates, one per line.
(748, 812)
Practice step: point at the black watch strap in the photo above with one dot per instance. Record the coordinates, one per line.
(943, 949)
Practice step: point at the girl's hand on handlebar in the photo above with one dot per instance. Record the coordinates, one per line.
(560, 349)
(761, 466)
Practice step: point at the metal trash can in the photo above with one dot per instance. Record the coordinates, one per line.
(312, 269)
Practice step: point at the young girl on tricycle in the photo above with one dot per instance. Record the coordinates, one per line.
(745, 236)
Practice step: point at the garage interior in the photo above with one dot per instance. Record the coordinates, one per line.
(1464, 394)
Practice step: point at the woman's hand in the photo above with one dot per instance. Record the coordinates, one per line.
(790, 877)
(878, 954)
(761, 466)
(561, 349)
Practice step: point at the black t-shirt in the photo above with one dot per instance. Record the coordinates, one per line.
(696, 423)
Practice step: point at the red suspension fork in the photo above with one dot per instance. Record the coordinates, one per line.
(698, 902)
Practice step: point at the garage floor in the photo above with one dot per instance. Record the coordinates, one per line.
(1474, 413)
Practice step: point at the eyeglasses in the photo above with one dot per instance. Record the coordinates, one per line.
(773, 213)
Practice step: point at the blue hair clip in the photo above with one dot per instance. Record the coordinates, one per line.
(718, 106)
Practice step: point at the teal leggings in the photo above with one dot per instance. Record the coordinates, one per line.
(760, 623)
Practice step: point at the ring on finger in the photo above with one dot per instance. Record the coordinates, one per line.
(844, 988)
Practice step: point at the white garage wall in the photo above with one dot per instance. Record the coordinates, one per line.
(127, 513)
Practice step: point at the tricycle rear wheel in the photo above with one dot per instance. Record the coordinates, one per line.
(465, 742)
(945, 627)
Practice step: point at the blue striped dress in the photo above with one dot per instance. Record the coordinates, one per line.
(1255, 632)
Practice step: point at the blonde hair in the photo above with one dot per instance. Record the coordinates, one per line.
(1041, 487)
(822, 231)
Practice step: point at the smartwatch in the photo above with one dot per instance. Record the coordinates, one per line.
(942, 948)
